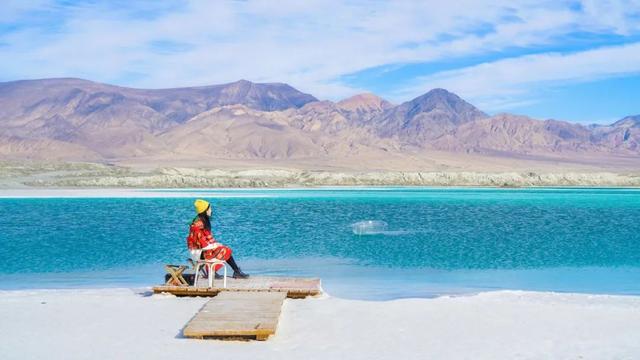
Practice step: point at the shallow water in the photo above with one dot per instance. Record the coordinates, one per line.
(438, 241)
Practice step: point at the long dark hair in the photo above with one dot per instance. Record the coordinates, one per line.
(206, 220)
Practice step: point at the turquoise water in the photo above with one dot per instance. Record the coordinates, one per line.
(438, 241)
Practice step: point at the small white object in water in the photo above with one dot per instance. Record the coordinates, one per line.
(369, 227)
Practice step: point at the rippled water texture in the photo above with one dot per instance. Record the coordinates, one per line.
(436, 240)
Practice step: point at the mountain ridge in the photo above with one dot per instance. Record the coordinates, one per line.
(77, 119)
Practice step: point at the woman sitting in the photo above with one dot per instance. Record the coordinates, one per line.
(201, 238)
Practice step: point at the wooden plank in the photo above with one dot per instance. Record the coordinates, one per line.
(237, 314)
(293, 287)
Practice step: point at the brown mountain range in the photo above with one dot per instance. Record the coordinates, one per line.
(79, 120)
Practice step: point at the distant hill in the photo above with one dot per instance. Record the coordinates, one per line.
(426, 117)
(623, 134)
(80, 120)
(111, 121)
(628, 122)
(83, 98)
(506, 133)
(363, 107)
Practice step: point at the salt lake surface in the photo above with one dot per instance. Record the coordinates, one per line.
(435, 241)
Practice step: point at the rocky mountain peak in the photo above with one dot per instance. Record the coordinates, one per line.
(427, 117)
(260, 96)
(364, 102)
(441, 100)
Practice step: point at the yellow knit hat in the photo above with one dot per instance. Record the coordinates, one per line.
(201, 205)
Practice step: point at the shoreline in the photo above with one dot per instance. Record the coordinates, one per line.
(128, 324)
(348, 280)
(99, 176)
(231, 192)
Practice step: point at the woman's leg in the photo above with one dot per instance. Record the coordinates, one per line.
(232, 262)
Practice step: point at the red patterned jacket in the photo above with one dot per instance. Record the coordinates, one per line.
(201, 238)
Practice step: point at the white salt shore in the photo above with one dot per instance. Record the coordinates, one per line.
(130, 324)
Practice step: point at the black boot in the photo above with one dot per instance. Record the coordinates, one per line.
(237, 273)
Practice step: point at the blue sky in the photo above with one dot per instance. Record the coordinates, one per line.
(569, 60)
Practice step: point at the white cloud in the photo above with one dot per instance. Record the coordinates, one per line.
(309, 44)
(613, 15)
(502, 84)
(11, 9)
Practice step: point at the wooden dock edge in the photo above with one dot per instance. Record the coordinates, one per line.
(191, 291)
(258, 335)
(292, 292)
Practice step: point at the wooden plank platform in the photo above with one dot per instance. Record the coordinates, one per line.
(237, 315)
(293, 287)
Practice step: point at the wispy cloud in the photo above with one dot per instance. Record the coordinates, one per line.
(502, 84)
(309, 44)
